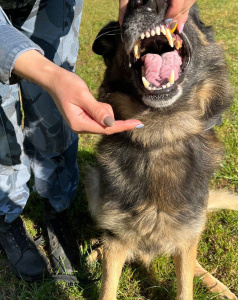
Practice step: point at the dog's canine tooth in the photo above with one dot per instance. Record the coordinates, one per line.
(168, 84)
(147, 34)
(146, 83)
(171, 78)
(164, 86)
(142, 36)
(169, 37)
(137, 50)
(152, 32)
(157, 30)
(162, 29)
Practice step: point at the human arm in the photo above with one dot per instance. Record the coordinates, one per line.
(71, 95)
(22, 57)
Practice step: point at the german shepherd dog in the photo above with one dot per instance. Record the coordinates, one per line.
(149, 194)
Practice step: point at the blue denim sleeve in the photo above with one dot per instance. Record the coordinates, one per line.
(12, 44)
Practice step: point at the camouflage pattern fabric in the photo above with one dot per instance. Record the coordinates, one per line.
(13, 4)
(47, 145)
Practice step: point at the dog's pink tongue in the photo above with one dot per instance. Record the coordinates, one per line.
(158, 68)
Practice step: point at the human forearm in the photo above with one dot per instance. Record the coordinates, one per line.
(34, 67)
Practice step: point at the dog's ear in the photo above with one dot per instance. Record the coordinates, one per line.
(107, 39)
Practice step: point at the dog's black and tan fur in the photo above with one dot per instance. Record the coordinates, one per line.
(149, 193)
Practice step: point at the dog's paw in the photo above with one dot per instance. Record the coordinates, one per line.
(96, 255)
(223, 291)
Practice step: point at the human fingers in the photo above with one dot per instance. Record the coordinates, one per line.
(182, 21)
(82, 122)
(102, 117)
(175, 8)
(104, 123)
(120, 126)
(122, 9)
(179, 10)
(102, 113)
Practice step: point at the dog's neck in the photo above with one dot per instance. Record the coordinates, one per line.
(160, 128)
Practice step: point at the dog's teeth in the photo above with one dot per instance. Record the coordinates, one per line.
(147, 34)
(171, 78)
(164, 86)
(169, 37)
(142, 36)
(152, 32)
(146, 83)
(177, 45)
(168, 84)
(137, 50)
(162, 29)
(157, 29)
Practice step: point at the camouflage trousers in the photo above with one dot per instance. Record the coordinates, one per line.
(46, 145)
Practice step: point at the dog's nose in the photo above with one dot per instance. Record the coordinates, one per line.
(136, 3)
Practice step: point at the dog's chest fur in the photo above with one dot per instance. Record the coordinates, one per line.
(153, 183)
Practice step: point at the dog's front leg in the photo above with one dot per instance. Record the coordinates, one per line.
(185, 262)
(114, 257)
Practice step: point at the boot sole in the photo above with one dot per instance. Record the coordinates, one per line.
(28, 278)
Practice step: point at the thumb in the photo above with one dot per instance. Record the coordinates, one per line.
(102, 113)
(122, 10)
(182, 21)
(174, 9)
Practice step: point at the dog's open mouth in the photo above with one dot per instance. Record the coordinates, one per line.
(160, 60)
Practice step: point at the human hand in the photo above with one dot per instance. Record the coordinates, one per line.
(179, 8)
(71, 95)
(122, 9)
(81, 111)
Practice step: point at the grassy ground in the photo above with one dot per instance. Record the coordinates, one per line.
(218, 247)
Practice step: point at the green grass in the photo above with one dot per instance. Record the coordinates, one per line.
(218, 250)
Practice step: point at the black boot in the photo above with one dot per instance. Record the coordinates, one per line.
(26, 260)
(63, 246)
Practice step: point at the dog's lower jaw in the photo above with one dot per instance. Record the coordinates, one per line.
(149, 101)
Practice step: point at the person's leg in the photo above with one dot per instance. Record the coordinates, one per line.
(50, 143)
(14, 164)
(26, 260)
